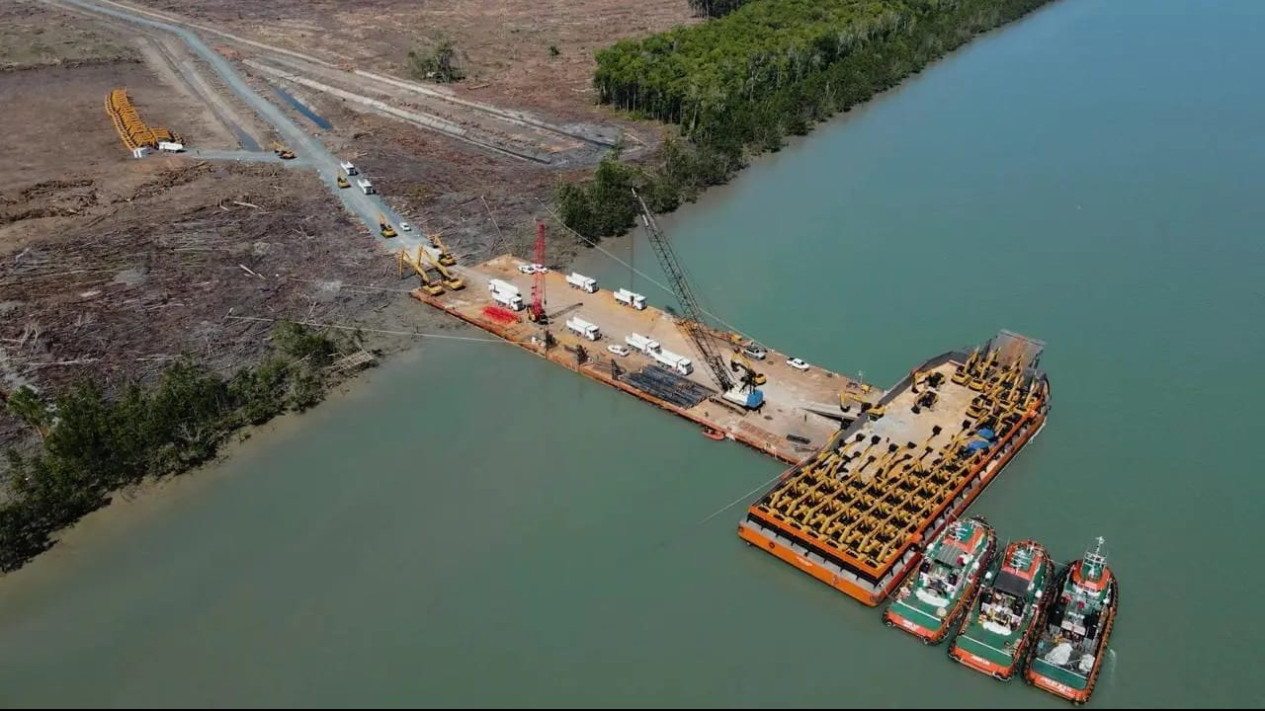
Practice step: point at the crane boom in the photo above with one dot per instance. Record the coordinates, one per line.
(692, 322)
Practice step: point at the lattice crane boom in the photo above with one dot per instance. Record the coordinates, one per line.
(692, 322)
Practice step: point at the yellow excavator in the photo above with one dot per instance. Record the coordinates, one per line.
(451, 281)
(387, 230)
(343, 182)
(741, 362)
(282, 152)
(445, 257)
(415, 262)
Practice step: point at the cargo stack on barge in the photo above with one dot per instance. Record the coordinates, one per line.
(856, 514)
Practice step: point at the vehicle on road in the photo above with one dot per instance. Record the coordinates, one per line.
(797, 364)
(533, 269)
(406, 227)
(342, 182)
(618, 349)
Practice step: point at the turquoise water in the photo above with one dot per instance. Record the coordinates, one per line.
(475, 526)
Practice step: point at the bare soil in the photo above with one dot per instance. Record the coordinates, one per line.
(34, 35)
(110, 267)
(503, 45)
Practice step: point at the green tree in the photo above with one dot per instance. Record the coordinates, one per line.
(29, 407)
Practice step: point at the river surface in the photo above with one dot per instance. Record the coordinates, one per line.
(474, 526)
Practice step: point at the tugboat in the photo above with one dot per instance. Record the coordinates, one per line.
(935, 597)
(1004, 616)
(1067, 657)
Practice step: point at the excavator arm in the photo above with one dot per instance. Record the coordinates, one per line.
(450, 280)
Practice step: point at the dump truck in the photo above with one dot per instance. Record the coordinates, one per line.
(366, 187)
(348, 168)
(584, 329)
(649, 346)
(630, 298)
(509, 300)
(677, 363)
(578, 281)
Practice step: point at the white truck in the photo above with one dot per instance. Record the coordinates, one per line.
(677, 363)
(584, 329)
(506, 294)
(578, 281)
(509, 301)
(348, 168)
(171, 147)
(495, 285)
(639, 342)
(366, 187)
(630, 298)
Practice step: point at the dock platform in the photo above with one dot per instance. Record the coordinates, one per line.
(802, 411)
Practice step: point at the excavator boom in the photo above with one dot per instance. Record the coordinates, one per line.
(450, 280)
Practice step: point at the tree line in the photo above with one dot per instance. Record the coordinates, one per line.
(715, 8)
(740, 84)
(94, 442)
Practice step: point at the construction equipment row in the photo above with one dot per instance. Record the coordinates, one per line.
(422, 263)
(134, 132)
(866, 499)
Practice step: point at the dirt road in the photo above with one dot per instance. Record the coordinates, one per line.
(365, 208)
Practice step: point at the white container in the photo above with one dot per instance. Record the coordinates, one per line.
(348, 168)
(504, 287)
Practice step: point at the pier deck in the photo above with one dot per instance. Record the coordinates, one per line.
(800, 404)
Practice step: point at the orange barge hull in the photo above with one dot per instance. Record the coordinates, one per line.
(867, 596)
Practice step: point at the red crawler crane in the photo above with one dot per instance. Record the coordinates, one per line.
(538, 283)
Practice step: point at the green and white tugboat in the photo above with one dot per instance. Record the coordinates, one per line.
(1067, 657)
(933, 599)
(1003, 619)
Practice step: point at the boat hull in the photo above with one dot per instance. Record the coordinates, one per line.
(936, 635)
(1068, 692)
(1006, 668)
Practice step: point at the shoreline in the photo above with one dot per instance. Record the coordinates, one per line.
(138, 504)
(130, 506)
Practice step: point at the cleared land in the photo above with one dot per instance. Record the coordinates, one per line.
(111, 266)
(34, 36)
(502, 44)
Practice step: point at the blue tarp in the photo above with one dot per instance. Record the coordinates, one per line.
(976, 445)
(987, 434)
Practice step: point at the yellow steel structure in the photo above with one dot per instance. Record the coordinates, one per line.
(415, 262)
(451, 281)
(866, 498)
(445, 257)
(131, 129)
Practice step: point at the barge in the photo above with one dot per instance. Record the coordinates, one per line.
(857, 513)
